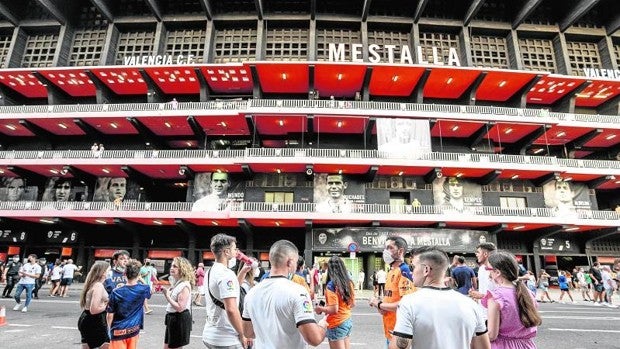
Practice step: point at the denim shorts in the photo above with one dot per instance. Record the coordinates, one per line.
(341, 331)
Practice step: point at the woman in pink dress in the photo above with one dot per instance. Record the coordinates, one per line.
(513, 311)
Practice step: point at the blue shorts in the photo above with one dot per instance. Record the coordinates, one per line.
(341, 331)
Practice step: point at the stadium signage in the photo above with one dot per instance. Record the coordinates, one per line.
(601, 73)
(158, 60)
(371, 239)
(355, 52)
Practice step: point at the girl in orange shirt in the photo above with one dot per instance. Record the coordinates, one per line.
(340, 297)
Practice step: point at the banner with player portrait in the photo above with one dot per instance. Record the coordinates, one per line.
(566, 196)
(63, 189)
(372, 239)
(215, 191)
(112, 188)
(403, 137)
(457, 194)
(17, 189)
(336, 193)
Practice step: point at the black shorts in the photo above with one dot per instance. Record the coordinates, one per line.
(93, 329)
(599, 287)
(178, 328)
(66, 281)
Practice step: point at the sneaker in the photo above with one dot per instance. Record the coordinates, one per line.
(24, 309)
(597, 304)
(16, 307)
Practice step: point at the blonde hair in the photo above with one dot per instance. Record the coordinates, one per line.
(96, 272)
(186, 271)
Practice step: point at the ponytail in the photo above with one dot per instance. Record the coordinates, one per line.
(527, 310)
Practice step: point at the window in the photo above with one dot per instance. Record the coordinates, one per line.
(186, 42)
(397, 202)
(583, 55)
(512, 202)
(40, 50)
(537, 54)
(135, 43)
(489, 51)
(279, 197)
(235, 45)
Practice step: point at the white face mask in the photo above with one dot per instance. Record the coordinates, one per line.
(256, 272)
(232, 263)
(387, 257)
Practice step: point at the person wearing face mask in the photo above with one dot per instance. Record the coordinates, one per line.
(116, 276)
(223, 327)
(399, 283)
(11, 275)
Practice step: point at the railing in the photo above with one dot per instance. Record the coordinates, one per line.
(246, 155)
(492, 211)
(254, 105)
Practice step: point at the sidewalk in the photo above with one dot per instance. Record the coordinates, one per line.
(554, 293)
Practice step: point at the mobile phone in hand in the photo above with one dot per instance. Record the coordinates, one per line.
(322, 303)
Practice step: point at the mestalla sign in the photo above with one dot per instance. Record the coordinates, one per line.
(402, 54)
(372, 239)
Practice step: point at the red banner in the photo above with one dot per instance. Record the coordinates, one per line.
(164, 254)
(104, 253)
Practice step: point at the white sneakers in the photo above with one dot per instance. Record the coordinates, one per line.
(17, 306)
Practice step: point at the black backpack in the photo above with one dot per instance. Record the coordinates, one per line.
(219, 303)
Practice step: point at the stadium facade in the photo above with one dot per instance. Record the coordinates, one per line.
(330, 123)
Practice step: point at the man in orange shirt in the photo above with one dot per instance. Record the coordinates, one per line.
(399, 283)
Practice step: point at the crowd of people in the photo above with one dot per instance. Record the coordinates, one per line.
(425, 300)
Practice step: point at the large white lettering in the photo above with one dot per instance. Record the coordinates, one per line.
(158, 60)
(601, 73)
(393, 54)
(336, 54)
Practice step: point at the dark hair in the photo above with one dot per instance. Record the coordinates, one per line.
(221, 241)
(460, 259)
(398, 241)
(435, 256)
(300, 262)
(338, 275)
(488, 246)
(419, 250)
(119, 253)
(506, 264)
(132, 270)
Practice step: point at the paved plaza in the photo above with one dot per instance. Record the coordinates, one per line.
(52, 323)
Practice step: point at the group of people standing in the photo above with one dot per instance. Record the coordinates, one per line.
(114, 302)
(420, 308)
(31, 275)
(278, 311)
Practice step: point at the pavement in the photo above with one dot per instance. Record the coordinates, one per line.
(51, 323)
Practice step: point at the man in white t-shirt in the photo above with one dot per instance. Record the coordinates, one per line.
(278, 313)
(28, 273)
(223, 327)
(484, 281)
(436, 316)
(68, 271)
